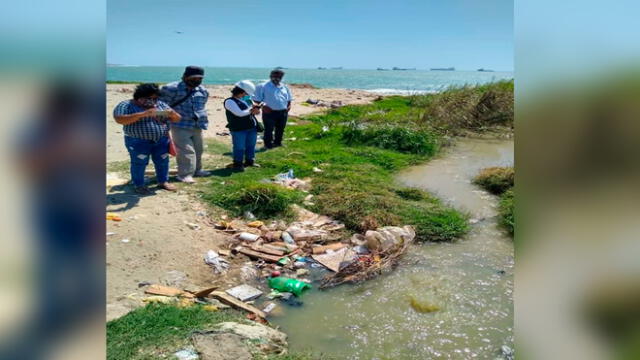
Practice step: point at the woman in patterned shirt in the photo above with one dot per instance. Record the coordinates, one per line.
(146, 134)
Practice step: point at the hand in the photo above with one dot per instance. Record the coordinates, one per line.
(255, 111)
(149, 112)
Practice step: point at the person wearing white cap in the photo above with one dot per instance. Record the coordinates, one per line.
(242, 124)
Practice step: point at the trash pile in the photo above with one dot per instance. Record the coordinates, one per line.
(320, 103)
(289, 181)
(312, 248)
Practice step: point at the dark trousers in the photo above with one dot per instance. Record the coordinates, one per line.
(275, 120)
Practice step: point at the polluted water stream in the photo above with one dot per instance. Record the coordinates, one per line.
(444, 300)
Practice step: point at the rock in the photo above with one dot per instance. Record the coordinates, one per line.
(186, 354)
(221, 347)
(312, 101)
(256, 333)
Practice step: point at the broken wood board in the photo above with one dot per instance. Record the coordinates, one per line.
(322, 249)
(230, 300)
(156, 289)
(333, 260)
(204, 292)
(267, 250)
(259, 255)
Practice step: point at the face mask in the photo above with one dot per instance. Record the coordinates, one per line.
(148, 103)
(247, 99)
(193, 82)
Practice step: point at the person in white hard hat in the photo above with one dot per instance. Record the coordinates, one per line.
(242, 124)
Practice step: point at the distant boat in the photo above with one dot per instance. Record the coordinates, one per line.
(402, 69)
(322, 68)
(382, 69)
(485, 70)
(280, 68)
(443, 69)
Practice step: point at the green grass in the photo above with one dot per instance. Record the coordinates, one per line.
(507, 207)
(356, 186)
(150, 331)
(263, 200)
(496, 180)
(120, 166)
(500, 181)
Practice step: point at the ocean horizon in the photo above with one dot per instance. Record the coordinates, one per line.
(372, 80)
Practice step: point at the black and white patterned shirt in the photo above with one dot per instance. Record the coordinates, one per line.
(148, 128)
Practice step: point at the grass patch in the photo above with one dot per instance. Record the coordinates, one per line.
(393, 138)
(500, 181)
(496, 180)
(263, 200)
(155, 330)
(507, 207)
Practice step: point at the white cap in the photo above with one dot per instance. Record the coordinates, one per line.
(247, 86)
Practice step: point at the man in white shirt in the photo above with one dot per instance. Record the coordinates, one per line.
(277, 98)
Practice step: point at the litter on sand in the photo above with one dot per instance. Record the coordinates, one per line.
(217, 263)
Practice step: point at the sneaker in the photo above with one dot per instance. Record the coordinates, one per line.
(168, 187)
(187, 179)
(251, 164)
(143, 190)
(202, 173)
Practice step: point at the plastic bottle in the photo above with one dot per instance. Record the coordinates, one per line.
(284, 284)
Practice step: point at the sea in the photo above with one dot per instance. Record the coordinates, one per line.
(384, 82)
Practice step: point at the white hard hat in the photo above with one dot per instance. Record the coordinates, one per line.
(247, 86)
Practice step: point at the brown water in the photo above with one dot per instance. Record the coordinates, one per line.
(470, 281)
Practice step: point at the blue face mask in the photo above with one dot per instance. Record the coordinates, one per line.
(247, 99)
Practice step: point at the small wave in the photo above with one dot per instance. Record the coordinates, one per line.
(400, 91)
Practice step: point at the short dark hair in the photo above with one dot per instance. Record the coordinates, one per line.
(146, 90)
(277, 72)
(237, 91)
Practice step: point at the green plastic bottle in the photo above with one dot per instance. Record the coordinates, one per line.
(284, 284)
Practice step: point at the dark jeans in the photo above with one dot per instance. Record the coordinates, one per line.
(140, 150)
(244, 145)
(274, 120)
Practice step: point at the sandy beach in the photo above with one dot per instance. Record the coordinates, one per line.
(217, 121)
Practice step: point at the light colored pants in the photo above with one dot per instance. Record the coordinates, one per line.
(189, 147)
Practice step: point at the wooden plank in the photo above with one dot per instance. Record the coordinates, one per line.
(230, 300)
(258, 255)
(156, 289)
(268, 250)
(204, 292)
(323, 249)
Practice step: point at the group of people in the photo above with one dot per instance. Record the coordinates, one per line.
(159, 120)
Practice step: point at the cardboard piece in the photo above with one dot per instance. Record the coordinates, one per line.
(333, 260)
(267, 250)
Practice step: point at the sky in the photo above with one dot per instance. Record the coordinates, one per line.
(357, 34)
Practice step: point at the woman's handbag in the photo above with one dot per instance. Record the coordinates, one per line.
(172, 147)
(259, 125)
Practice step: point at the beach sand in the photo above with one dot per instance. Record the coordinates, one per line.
(217, 120)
